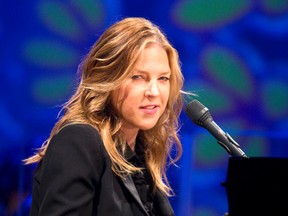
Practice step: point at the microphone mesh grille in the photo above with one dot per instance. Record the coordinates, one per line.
(193, 109)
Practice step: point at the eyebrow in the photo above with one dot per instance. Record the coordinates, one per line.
(162, 73)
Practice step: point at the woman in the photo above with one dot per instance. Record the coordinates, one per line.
(107, 154)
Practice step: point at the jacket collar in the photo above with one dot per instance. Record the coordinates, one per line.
(128, 181)
(161, 201)
(129, 184)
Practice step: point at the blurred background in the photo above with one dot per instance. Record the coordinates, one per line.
(234, 55)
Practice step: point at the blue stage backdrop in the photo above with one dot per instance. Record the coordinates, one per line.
(234, 55)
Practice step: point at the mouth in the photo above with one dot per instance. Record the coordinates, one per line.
(150, 109)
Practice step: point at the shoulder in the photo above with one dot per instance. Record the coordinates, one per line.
(76, 138)
(75, 149)
(76, 130)
(75, 158)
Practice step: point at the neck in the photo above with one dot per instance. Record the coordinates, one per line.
(130, 136)
(131, 142)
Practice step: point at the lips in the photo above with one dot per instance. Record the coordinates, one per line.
(150, 109)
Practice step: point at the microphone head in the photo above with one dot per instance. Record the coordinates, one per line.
(197, 112)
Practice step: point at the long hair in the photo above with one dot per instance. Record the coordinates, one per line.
(102, 71)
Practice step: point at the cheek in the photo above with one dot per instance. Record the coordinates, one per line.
(165, 92)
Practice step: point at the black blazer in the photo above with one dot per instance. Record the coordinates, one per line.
(75, 178)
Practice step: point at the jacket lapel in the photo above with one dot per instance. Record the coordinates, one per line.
(161, 201)
(163, 204)
(129, 184)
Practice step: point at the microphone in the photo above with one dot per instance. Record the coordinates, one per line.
(200, 115)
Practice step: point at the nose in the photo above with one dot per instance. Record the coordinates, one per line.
(152, 89)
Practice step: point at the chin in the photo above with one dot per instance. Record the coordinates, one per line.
(147, 127)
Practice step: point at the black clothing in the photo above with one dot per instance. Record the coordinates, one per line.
(75, 178)
(142, 180)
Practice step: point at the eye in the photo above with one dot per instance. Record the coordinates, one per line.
(164, 78)
(137, 77)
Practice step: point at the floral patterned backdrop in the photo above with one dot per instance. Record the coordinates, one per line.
(234, 55)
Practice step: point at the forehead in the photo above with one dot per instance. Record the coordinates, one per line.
(151, 51)
(153, 58)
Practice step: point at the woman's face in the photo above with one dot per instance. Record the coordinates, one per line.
(142, 98)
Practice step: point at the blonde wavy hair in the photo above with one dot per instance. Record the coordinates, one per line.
(102, 71)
